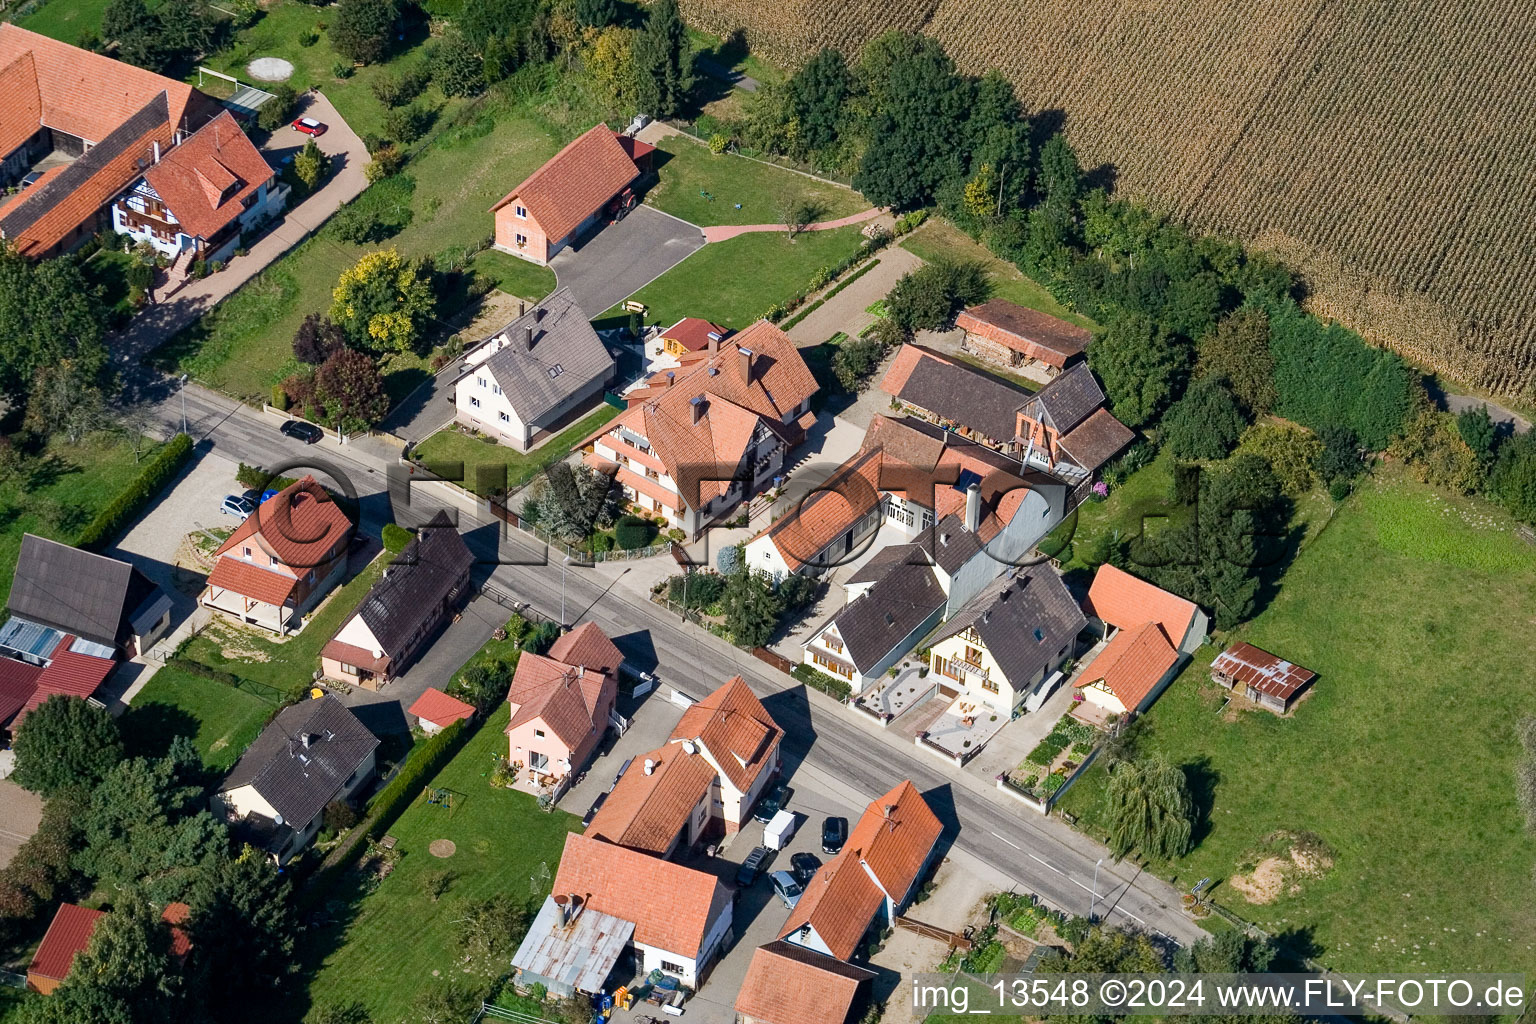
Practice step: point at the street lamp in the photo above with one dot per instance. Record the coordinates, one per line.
(183, 403)
(563, 566)
(1095, 897)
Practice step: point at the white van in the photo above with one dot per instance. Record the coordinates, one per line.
(777, 833)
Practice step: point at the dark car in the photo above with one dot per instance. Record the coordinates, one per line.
(592, 811)
(31, 179)
(306, 432)
(803, 866)
(772, 802)
(747, 873)
(834, 833)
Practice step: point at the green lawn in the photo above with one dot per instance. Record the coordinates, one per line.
(1143, 499)
(735, 282)
(1414, 610)
(66, 20)
(253, 653)
(62, 490)
(451, 446)
(221, 719)
(689, 170)
(398, 939)
(939, 239)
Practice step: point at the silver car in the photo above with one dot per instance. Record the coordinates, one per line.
(786, 888)
(237, 505)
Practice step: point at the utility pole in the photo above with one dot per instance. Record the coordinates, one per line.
(183, 403)
(1094, 899)
(563, 566)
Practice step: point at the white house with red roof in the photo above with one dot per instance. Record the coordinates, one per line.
(698, 440)
(569, 194)
(282, 560)
(202, 195)
(1150, 634)
(562, 704)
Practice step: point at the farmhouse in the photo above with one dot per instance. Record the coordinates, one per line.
(313, 753)
(679, 919)
(1266, 679)
(282, 560)
(698, 440)
(1150, 632)
(561, 706)
(1004, 647)
(572, 192)
(789, 984)
(427, 582)
(872, 880)
(534, 375)
(195, 202)
(701, 783)
(1016, 336)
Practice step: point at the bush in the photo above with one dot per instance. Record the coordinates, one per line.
(124, 508)
(1339, 488)
(339, 816)
(819, 680)
(405, 124)
(702, 589)
(386, 163)
(259, 479)
(279, 398)
(421, 766)
(632, 532)
(277, 112)
(358, 226)
(719, 143)
(395, 537)
(928, 298)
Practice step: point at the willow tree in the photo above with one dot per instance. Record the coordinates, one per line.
(1149, 809)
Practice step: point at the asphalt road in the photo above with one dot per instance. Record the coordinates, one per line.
(1042, 854)
(612, 264)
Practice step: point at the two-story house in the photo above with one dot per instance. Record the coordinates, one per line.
(282, 560)
(534, 375)
(195, 200)
(702, 782)
(1004, 646)
(698, 440)
(1150, 634)
(313, 753)
(561, 706)
(426, 583)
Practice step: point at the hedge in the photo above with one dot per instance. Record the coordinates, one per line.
(817, 679)
(632, 532)
(255, 476)
(130, 501)
(395, 537)
(394, 798)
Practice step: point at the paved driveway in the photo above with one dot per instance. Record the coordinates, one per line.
(611, 265)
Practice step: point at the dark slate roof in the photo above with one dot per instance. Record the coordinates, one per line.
(888, 612)
(950, 543)
(75, 591)
(965, 396)
(880, 563)
(1024, 617)
(94, 160)
(298, 780)
(1067, 400)
(567, 356)
(415, 585)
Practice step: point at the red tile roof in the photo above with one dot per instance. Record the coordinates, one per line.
(18, 681)
(22, 113)
(693, 333)
(1037, 335)
(736, 729)
(1123, 600)
(205, 180)
(176, 915)
(1265, 672)
(646, 812)
(257, 582)
(826, 513)
(552, 691)
(301, 525)
(839, 902)
(894, 837)
(588, 645)
(68, 674)
(575, 182)
(68, 934)
(1132, 663)
(437, 707)
(671, 907)
(789, 985)
(351, 654)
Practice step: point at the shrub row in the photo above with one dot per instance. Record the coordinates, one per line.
(425, 763)
(121, 510)
(845, 282)
(255, 476)
(829, 685)
(778, 312)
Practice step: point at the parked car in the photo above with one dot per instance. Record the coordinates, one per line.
(786, 888)
(592, 811)
(771, 803)
(306, 432)
(834, 833)
(31, 179)
(803, 866)
(747, 873)
(309, 126)
(237, 505)
(622, 769)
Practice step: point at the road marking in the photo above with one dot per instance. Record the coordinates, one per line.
(1016, 846)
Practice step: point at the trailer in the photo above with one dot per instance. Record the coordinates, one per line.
(779, 830)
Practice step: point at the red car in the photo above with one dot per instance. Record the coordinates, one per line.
(309, 126)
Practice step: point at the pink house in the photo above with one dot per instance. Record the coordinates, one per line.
(561, 704)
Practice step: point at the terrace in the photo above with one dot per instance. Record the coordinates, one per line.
(964, 727)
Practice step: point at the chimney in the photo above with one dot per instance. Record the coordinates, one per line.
(973, 507)
(538, 315)
(714, 343)
(522, 307)
(696, 410)
(563, 907)
(304, 739)
(528, 338)
(746, 364)
(576, 904)
(156, 144)
(671, 376)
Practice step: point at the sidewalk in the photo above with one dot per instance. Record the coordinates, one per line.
(722, 232)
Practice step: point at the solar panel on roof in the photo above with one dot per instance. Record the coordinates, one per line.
(966, 478)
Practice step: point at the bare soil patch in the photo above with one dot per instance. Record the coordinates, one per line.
(442, 848)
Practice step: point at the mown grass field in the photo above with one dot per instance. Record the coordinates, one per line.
(939, 239)
(395, 942)
(1415, 611)
(66, 20)
(735, 282)
(449, 446)
(221, 720)
(689, 174)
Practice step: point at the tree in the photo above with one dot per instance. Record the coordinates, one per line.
(1292, 454)
(751, 609)
(73, 1003)
(855, 360)
(456, 68)
(1141, 366)
(816, 96)
(1229, 952)
(595, 13)
(277, 112)
(242, 930)
(611, 59)
(929, 297)
(1477, 429)
(406, 124)
(64, 743)
(917, 140)
(575, 501)
(384, 301)
(490, 931)
(1238, 351)
(998, 138)
(350, 389)
(128, 959)
(1340, 458)
(1206, 423)
(444, 1003)
(361, 29)
(1433, 448)
(1060, 179)
(485, 684)
(49, 314)
(65, 402)
(1513, 480)
(317, 339)
(310, 165)
(1106, 951)
(662, 74)
(1150, 809)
